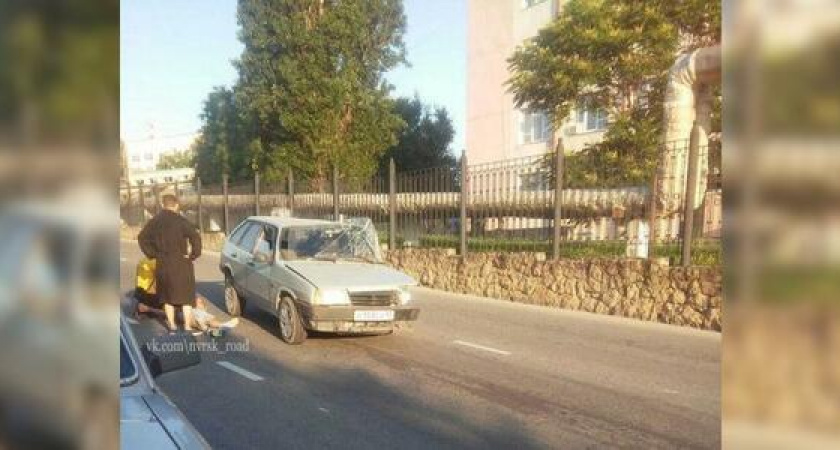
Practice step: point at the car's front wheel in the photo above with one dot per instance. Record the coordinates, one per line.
(291, 324)
(233, 302)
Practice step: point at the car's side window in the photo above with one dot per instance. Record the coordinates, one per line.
(249, 240)
(265, 244)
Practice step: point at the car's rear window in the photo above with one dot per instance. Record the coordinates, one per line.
(249, 240)
(239, 232)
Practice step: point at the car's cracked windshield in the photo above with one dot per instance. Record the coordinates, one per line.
(346, 242)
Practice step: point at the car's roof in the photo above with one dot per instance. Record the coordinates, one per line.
(282, 222)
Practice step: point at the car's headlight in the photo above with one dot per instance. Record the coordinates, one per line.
(404, 296)
(331, 297)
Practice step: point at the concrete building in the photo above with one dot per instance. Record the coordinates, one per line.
(143, 154)
(151, 177)
(495, 129)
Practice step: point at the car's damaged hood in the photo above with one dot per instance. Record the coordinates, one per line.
(350, 275)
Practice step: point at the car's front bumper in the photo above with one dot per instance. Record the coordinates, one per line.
(340, 319)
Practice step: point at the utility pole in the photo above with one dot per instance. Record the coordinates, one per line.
(392, 205)
(690, 191)
(559, 160)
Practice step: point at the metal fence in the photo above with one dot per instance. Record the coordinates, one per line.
(501, 206)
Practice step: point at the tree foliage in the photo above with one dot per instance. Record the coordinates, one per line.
(223, 144)
(613, 55)
(425, 139)
(311, 85)
(177, 159)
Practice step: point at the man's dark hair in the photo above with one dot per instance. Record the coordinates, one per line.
(169, 201)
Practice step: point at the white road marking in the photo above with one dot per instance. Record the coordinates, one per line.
(482, 347)
(234, 368)
(670, 391)
(324, 410)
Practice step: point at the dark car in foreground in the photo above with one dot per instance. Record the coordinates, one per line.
(148, 419)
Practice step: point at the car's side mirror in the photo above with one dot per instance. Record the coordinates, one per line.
(168, 353)
(262, 258)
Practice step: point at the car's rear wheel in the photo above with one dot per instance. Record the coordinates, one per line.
(234, 304)
(291, 324)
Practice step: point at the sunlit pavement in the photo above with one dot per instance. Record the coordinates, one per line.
(472, 372)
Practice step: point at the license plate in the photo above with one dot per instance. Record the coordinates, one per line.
(373, 316)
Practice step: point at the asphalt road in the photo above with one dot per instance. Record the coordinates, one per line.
(472, 373)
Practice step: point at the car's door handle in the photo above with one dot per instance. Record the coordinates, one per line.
(234, 255)
(251, 263)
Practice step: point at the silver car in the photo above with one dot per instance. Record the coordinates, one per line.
(148, 419)
(315, 275)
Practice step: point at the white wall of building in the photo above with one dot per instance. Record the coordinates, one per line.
(144, 154)
(151, 177)
(495, 129)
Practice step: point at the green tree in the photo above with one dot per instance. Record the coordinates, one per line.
(613, 55)
(177, 159)
(222, 146)
(425, 140)
(311, 77)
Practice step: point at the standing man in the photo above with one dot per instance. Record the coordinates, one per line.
(165, 239)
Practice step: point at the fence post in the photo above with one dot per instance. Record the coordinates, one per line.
(392, 205)
(690, 190)
(226, 217)
(257, 193)
(198, 204)
(651, 205)
(176, 189)
(156, 197)
(464, 200)
(335, 190)
(291, 199)
(559, 160)
(141, 202)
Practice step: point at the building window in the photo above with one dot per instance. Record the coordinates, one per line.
(534, 128)
(529, 3)
(135, 158)
(591, 119)
(149, 156)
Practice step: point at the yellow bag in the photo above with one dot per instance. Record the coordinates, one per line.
(145, 275)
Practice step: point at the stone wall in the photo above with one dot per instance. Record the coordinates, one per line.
(632, 288)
